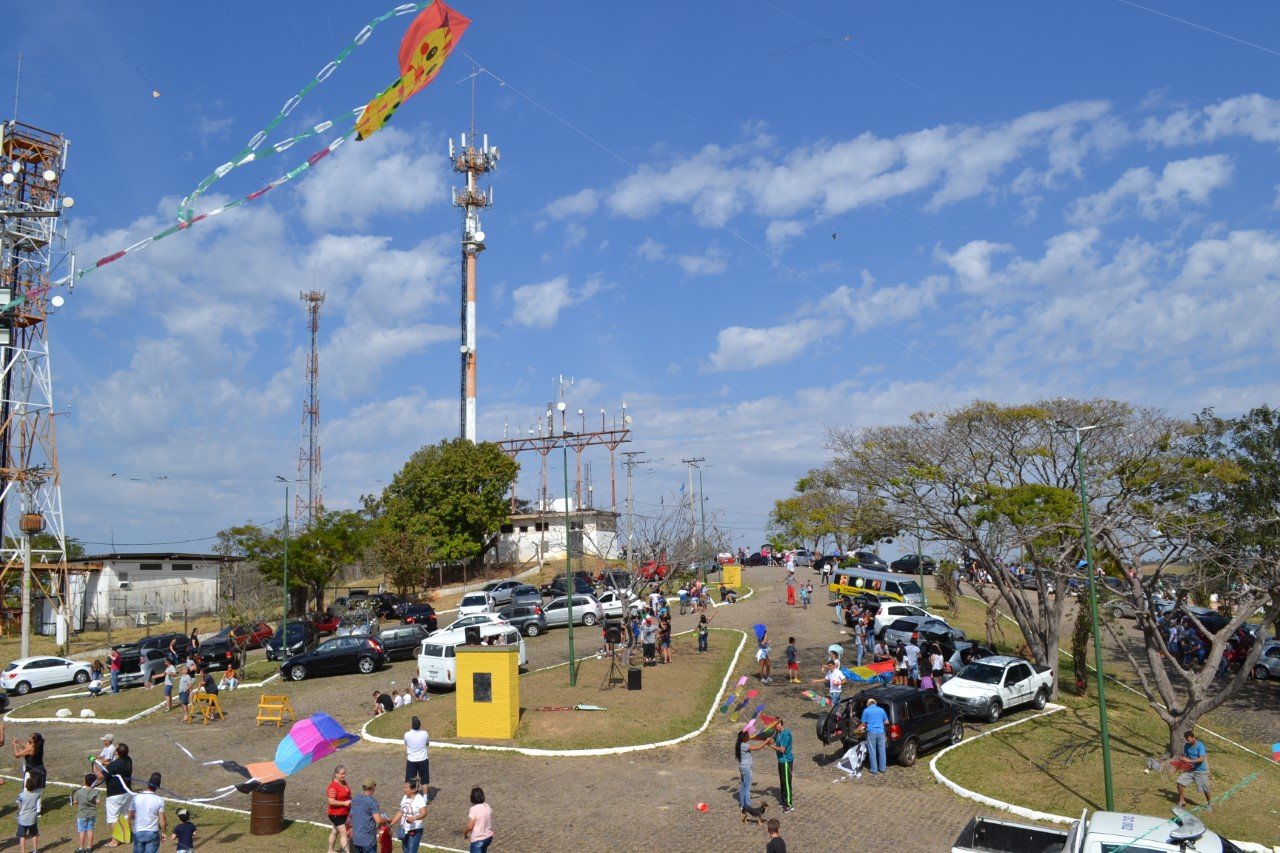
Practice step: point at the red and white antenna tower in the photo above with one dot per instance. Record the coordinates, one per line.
(307, 507)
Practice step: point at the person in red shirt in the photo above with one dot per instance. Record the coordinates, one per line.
(339, 798)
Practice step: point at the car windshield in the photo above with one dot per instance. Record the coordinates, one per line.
(983, 673)
(11, 667)
(473, 599)
(910, 587)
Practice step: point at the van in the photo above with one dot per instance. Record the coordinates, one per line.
(438, 653)
(854, 582)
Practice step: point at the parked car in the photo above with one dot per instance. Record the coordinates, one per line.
(473, 619)
(501, 591)
(890, 611)
(801, 557)
(1122, 608)
(616, 579)
(336, 655)
(930, 628)
(437, 661)
(586, 611)
(1031, 580)
(654, 571)
(131, 653)
(216, 653)
(527, 617)
(356, 623)
(757, 559)
(865, 560)
(246, 636)
(299, 636)
(27, 674)
(526, 594)
(963, 652)
(325, 623)
(910, 564)
(618, 604)
(556, 587)
(1109, 831)
(918, 720)
(986, 688)
(147, 666)
(420, 614)
(1268, 665)
(401, 642)
(476, 602)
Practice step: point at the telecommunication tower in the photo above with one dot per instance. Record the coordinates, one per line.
(307, 508)
(32, 246)
(472, 162)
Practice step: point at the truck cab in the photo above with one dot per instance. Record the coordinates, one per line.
(1106, 832)
(988, 687)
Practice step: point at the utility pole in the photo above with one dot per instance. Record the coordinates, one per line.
(630, 461)
(693, 517)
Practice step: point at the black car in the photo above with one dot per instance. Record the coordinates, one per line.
(217, 653)
(865, 560)
(401, 642)
(300, 637)
(419, 614)
(757, 559)
(918, 720)
(616, 579)
(556, 588)
(910, 564)
(337, 655)
(527, 618)
(131, 653)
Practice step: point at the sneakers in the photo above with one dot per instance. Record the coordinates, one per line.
(788, 809)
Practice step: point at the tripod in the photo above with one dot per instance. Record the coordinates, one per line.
(616, 673)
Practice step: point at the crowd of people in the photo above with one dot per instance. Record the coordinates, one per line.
(415, 692)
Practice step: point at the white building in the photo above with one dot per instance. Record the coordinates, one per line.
(592, 533)
(140, 589)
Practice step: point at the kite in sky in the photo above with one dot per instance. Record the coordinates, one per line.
(423, 50)
(308, 741)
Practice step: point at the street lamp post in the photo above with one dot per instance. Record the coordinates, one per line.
(1093, 614)
(284, 621)
(568, 550)
(702, 508)
(920, 565)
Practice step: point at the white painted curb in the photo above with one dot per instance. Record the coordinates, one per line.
(101, 721)
(578, 753)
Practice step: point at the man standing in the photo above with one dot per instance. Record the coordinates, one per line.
(874, 718)
(116, 774)
(169, 674)
(781, 744)
(366, 817)
(834, 679)
(148, 816)
(649, 640)
(912, 653)
(1197, 756)
(860, 637)
(416, 764)
(113, 663)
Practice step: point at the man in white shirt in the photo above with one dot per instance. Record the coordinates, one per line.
(913, 661)
(147, 812)
(416, 764)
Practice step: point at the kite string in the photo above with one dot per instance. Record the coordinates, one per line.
(249, 154)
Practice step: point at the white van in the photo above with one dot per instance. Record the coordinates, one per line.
(437, 659)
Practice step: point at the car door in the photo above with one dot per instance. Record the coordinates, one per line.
(936, 717)
(45, 672)
(1017, 680)
(327, 658)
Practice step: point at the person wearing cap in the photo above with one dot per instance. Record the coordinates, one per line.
(366, 817)
(147, 812)
(184, 834)
(649, 640)
(108, 752)
(417, 765)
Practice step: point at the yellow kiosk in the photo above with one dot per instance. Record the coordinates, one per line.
(488, 691)
(731, 575)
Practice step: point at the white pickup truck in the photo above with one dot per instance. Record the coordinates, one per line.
(1106, 831)
(987, 688)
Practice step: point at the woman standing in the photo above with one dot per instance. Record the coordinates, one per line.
(479, 831)
(742, 750)
(664, 637)
(339, 799)
(32, 755)
(413, 810)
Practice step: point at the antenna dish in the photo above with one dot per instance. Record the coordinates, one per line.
(478, 236)
(57, 301)
(626, 419)
(561, 406)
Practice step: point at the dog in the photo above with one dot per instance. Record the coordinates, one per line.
(755, 814)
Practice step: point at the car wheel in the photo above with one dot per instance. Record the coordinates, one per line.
(957, 733)
(1117, 613)
(589, 619)
(993, 713)
(907, 756)
(81, 677)
(532, 629)
(366, 665)
(1042, 699)
(1261, 672)
(22, 689)
(297, 672)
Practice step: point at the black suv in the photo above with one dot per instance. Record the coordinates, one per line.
(401, 642)
(419, 614)
(918, 720)
(527, 618)
(910, 563)
(131, 653)
(556, 587)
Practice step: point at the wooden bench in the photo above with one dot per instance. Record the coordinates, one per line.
(272, 709)
(207, 706)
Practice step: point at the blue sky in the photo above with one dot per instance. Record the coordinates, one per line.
(751, 221)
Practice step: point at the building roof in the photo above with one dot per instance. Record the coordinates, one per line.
(156, 557)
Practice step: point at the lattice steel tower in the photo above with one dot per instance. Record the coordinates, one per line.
(32, 246)
(307, 508)
(472, 162)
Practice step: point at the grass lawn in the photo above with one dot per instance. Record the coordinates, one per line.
(674, 701)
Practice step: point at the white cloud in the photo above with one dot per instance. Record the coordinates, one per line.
(652, 250)
(539, 305)
(711, 262)
(972, 262)
(781, 232)
(1254, 117)
(392, 172)
(582, 203)
(742, 348)
(1181, 182)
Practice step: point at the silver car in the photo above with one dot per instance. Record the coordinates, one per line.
(1268, 665)
(501, 591)
(586, 611)
(903, 627)
(151, 665)
(356, 623)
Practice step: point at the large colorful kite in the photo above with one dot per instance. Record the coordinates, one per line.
(426, 45)
(308, 741)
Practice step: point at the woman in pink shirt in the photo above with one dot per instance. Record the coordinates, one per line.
(479, 831)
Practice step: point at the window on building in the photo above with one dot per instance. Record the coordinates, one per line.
(148, 567)
(506, 528)
(524, 528)
(181, 567)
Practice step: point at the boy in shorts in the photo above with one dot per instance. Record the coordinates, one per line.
(793, 664)
(28, 813)
(85, 801)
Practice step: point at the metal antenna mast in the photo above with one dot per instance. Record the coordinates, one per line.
(307, 508)
(472, 162)
(31, 248)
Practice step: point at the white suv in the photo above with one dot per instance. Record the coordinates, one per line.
(894, 610)
(586, 611)
(476, 602)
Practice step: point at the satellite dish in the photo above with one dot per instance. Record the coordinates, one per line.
(57, 301)
(478, 236)
(626, 419)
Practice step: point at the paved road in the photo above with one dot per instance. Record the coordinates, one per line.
(636, 801)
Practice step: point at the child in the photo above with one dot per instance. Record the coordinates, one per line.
(793, 664)
(806, 594)
(28, 814)
(85, 802)
(396, 701)
(703, 633)
(762, 655)
(185, 832)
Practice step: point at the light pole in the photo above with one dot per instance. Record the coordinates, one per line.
(702, 509)
(1093, 612)
(920, 565)
(568, 550)
(284, 621)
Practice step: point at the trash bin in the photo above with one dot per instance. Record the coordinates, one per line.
(266, 809)
(633, 678)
